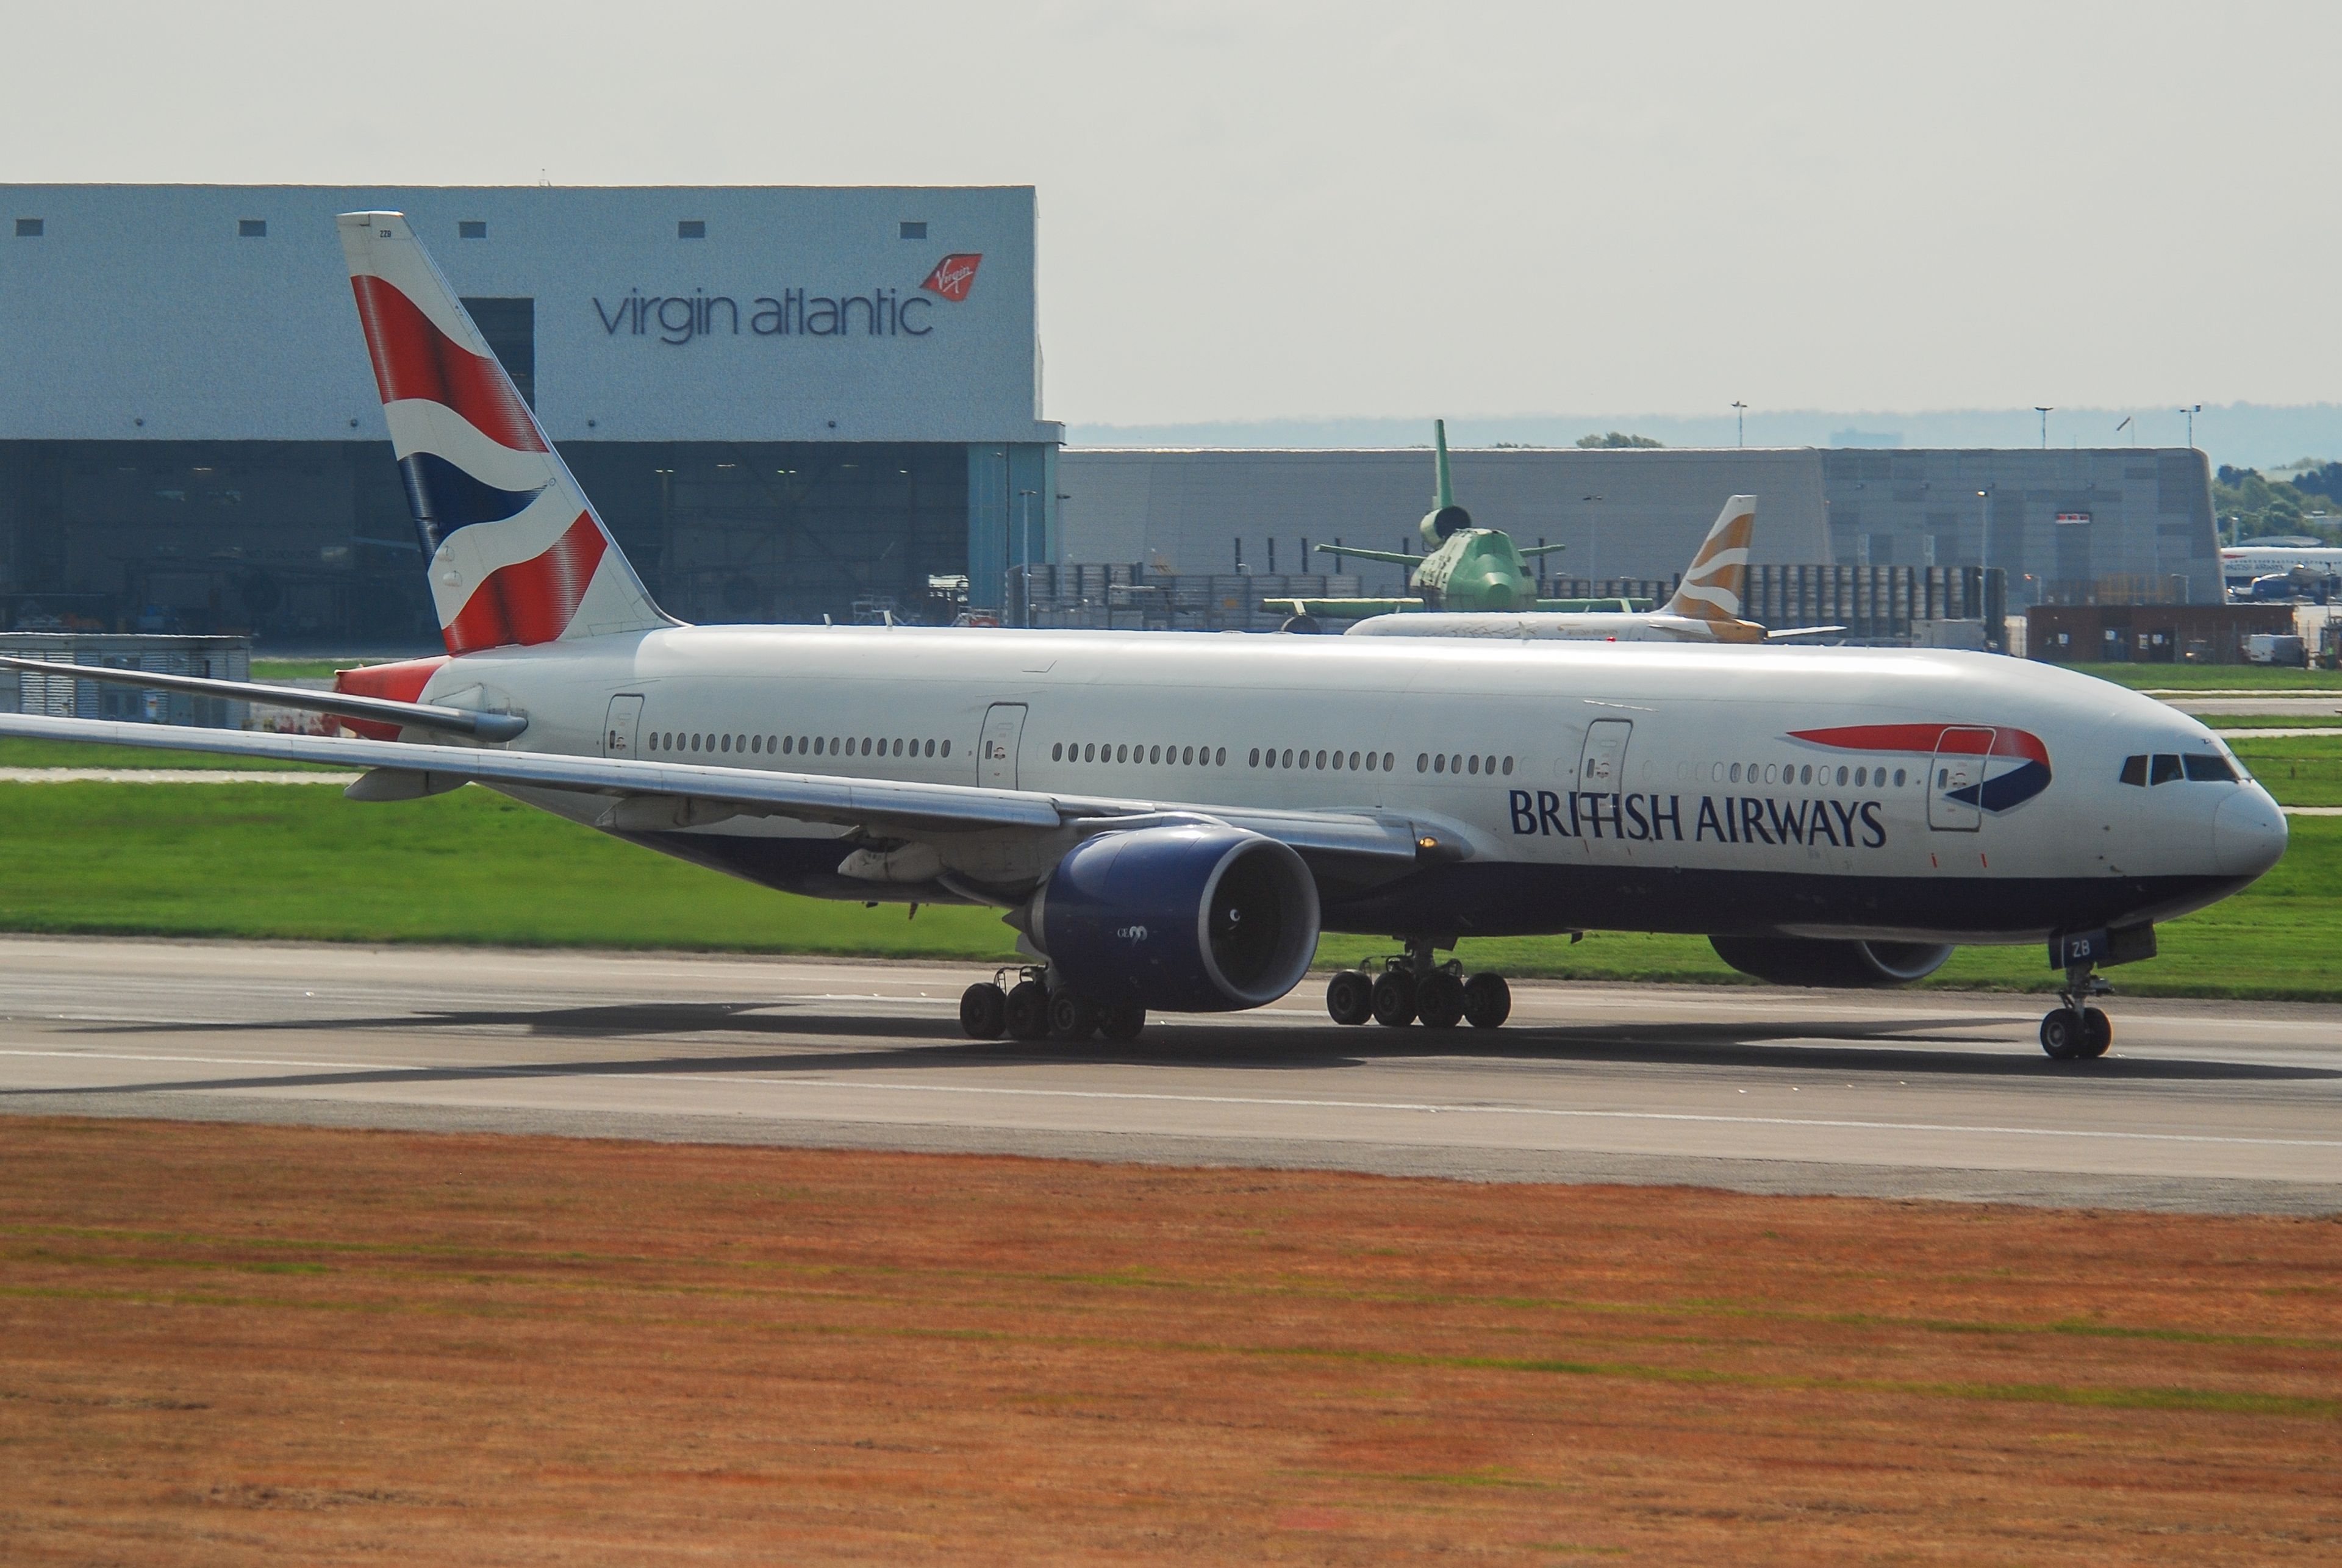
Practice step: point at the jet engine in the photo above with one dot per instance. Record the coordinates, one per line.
(1808, 960)
(1186, 919)
(1441, 523)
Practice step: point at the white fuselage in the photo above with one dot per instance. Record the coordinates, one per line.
(1561, 626)
(1641, 787)
(2241, 563)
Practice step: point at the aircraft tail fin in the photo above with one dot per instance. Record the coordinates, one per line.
(1445, 497)
(514, 550)
(1716, 585)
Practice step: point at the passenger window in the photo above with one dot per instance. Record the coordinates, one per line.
(1735, 772)
(2210, 770)
(1220, 757)
(2164, 769)
(1439, 765)
(1057, 751)
(1387, 761)
(1187, 756)
(1288, 761)
(1370, 762)
(1422, 762)
(1898, 778)
(947, 748)
(2134, 770)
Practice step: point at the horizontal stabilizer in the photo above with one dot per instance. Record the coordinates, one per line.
(1389, 557)
(1342, 609)
(1786, 631)
(490, 727)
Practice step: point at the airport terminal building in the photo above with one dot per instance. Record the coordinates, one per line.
(2114, 524)
(787, 403)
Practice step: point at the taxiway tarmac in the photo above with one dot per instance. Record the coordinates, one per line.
(2213, 1106)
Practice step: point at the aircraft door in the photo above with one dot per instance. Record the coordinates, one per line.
(619, 735)
(1601, 779)
(995, 752)
(1955, 779)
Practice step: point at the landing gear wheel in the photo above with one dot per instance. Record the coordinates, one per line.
(1394, 999)
(1488, 1001)
(1027, 1013)
(2097, 1032)
(2062, 1034)
(1124, 1020)
(1350, 997)
(1071, 1016)
(983, 1011)
(1439, 1000)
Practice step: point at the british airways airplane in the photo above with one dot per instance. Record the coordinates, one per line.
(1170, 821)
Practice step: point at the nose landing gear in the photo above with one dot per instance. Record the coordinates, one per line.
(1415, 987)
(2075, 1031)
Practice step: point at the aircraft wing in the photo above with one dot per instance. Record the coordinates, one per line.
(1342, 609)
(648, 795)
(1771, 636)
(342, 704)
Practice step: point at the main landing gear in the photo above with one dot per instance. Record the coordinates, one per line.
(1032, 1009)
(1417, 988)
(2076, 1030)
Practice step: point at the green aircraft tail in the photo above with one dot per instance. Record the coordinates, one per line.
(1446, 497)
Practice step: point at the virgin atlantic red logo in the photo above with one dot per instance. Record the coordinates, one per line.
(953, 276)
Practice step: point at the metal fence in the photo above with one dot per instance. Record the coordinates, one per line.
(62, 696)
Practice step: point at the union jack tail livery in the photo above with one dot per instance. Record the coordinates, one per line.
(515, 553)
(1718, 579)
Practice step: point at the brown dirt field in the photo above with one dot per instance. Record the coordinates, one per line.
(258, 1345)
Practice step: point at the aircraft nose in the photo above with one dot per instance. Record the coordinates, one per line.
(2248, 833)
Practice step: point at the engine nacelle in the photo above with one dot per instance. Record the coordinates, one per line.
(1868, 964)
(1438, 526)
(1201, 919)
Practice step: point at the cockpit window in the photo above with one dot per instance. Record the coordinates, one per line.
(2210, 770)
(2135, 770)
(2165, 769)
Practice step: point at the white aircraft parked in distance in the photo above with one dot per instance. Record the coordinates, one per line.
(1706, 607)
(2240, 563)
(1170, 821)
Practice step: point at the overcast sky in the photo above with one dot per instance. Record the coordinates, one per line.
(1264, 210)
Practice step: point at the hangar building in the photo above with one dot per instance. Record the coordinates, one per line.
(2073, 526)
(788, 401)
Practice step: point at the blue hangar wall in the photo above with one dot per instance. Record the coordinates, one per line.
(788, 401)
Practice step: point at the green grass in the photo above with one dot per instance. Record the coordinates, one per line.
(2213, 677)
(2271, 721)
(2299, 770)
(267, 861)
(18, 753)
(312, 669)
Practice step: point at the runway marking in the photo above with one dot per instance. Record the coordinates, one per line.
(1155, 1097)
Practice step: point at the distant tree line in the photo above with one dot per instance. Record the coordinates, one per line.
(2248, 503)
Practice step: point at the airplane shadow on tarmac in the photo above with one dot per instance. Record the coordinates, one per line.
(927, 1043)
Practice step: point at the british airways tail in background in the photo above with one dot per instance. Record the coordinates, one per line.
(516, 554)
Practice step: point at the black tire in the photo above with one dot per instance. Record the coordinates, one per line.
(1027, 1013)
(2097, 1032)
(1124, 1020)
(1350, 997)
(1071, 1016)
(1394, 999)
(1488, 1001)
(2062, 1034)
(983, 1011)
(1439, 1000)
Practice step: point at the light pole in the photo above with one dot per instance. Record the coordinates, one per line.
(1983, 529)
(1025, 551)
(2045, 410)
(1593, 545)
(2191, 411)
(1740, 422)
